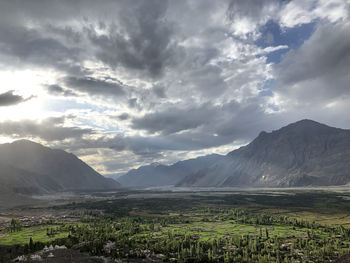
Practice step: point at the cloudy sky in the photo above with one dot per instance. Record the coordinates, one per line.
(125, 83)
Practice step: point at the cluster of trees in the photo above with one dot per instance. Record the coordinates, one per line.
(139, 237)
(15, 225)
(251, 218)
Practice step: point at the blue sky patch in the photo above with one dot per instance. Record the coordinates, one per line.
(265, 89)
(273, 35)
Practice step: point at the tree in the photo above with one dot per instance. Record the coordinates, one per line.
(15, 225)
(31, 244)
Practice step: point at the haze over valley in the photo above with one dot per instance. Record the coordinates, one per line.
(305, 153)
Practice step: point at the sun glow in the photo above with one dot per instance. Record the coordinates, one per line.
(27, 84)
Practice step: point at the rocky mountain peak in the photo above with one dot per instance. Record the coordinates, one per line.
(302, 153)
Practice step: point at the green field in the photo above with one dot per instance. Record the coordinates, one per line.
(37, 233)
(229, 228)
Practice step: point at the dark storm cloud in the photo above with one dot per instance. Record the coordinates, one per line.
(20, 46)
(136, 36)
(244, 120)
(208, 125)
(50, 129)
(123, 116)
(319, 69)
(141, 41)
(177, 142)
(331, 54)
(133, 103)
(243, 123)
(95, 86)
(235, 130)
(8, 98)
(172, 119)
(208, 81)
(159, 91)
(67, 33)
(59, 91)
(146, 146)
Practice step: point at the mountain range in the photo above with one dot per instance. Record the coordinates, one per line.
(29, 168)
(161, 175)
(305, 153)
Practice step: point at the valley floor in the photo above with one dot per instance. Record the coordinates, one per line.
(163, 225)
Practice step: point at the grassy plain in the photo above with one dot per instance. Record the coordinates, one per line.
(37, 233)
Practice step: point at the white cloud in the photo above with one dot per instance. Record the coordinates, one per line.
(298, 12)
(273, 49)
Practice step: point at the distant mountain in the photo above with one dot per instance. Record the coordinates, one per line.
(161, 175)
(30, 168)
(305, 153)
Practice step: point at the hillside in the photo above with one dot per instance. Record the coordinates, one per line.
(30, 168)
(305, 153)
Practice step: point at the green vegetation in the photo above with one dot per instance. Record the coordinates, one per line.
(42, 233)
(206, 227)
(15, 225)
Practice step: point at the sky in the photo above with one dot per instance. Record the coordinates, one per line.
(125, 83)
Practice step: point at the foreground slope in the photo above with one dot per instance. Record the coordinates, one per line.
(30, 168)
(305, 153)
(162, 175)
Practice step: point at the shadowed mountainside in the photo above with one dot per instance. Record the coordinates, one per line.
(30, 168)
(305, 153)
